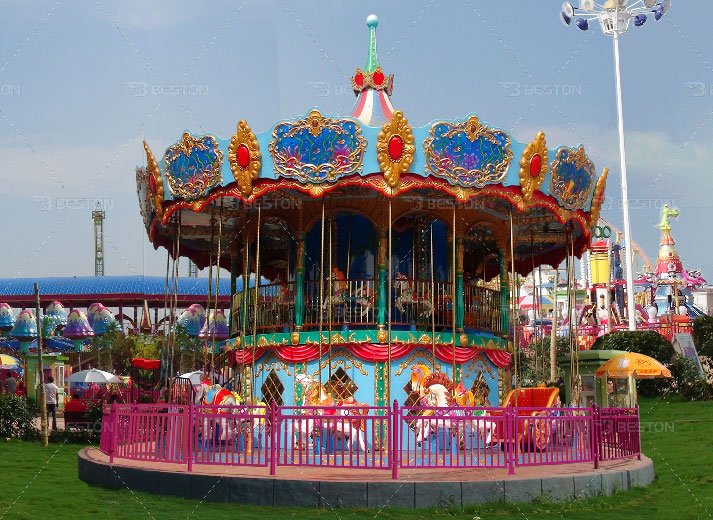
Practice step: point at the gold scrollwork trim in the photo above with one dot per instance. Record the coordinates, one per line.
(477, 361)
(272, 363)
(413, 357)
(598, 198)
(154, 172)
(348, 358)
(245, 137)
(394, 167)
(529, 182)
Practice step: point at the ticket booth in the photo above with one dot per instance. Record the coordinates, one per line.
(53, 365)
(603, 391)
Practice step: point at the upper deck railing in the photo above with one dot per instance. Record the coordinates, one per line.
(355, 303)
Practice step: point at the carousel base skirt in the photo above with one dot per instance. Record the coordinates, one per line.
(335, 487)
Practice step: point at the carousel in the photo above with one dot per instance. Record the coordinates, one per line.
(371, 247)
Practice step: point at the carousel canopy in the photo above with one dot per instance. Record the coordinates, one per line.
(205, 185)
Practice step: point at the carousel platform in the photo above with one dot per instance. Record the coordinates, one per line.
(333, 488)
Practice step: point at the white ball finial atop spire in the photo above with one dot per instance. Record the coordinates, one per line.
(372, 20)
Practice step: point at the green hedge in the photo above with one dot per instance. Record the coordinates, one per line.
(17, 418)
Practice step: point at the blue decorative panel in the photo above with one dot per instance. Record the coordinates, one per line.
(572, 177)
(193, 166)
(468, 153)
(317, 149)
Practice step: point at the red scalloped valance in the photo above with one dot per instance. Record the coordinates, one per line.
(374, 352)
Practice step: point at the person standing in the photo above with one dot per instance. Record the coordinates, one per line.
(51, 392)
(11, 384)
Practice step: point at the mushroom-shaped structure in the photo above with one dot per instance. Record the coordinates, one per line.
(77, 328)
(55, 318)
(215, 326)
(193, 319)
(25, 329)
(365, 228)
(100, 318)
(7, 317)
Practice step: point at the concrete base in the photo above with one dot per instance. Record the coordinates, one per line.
(333, 488)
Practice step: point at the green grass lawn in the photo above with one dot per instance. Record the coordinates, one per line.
(40, 482)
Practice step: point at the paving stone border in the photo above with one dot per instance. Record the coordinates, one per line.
(361, 494)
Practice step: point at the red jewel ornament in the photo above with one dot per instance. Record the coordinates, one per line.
(396, 148)
(378, 78)
(535, 165)
(359, 79)
(242, 154)
(152, 183)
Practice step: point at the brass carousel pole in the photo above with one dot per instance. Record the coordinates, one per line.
(175, 296)
(330, 292)
(210, 283)
(515, 318)
(433, 306)
(217, 290)
(534, 298)
(256, 303)
(388, 347)
(321, 295)
(164, 349)
(244, 308)
(453, 291)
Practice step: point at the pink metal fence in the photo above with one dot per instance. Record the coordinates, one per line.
(230, 435)
(617, 433)
(326, 436)
(452, 437)
(368, 437)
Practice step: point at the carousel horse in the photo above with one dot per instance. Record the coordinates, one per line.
(216, 395)
(405, 295)
(340, 295)
(314, 395)
(437, 391)
(354, 428)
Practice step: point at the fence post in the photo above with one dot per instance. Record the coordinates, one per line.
(594, 439)
(395, 448)
(189, 451)
(510, 438)
(638, 431)
(274, 437)
(115, 426)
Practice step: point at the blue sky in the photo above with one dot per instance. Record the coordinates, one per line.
(82, 84)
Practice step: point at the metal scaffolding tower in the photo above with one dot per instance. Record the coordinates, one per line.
(98, 217)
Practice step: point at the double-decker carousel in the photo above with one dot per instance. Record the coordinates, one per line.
(371, 247)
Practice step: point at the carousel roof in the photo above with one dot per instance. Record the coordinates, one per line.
(550, 189)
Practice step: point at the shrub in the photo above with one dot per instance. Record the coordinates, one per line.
(703, 335)
(644, 342)
(17, 418)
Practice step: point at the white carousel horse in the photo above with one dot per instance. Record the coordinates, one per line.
(405, 295)
(217, 395)
(314, 395)
(362, 296)
(348, 430)
(435, 390)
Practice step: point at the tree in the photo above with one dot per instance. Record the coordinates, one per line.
(703, 335)
(102, 345)
(646, 342)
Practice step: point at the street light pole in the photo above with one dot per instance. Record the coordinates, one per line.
(628, 257)
(614, 17)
